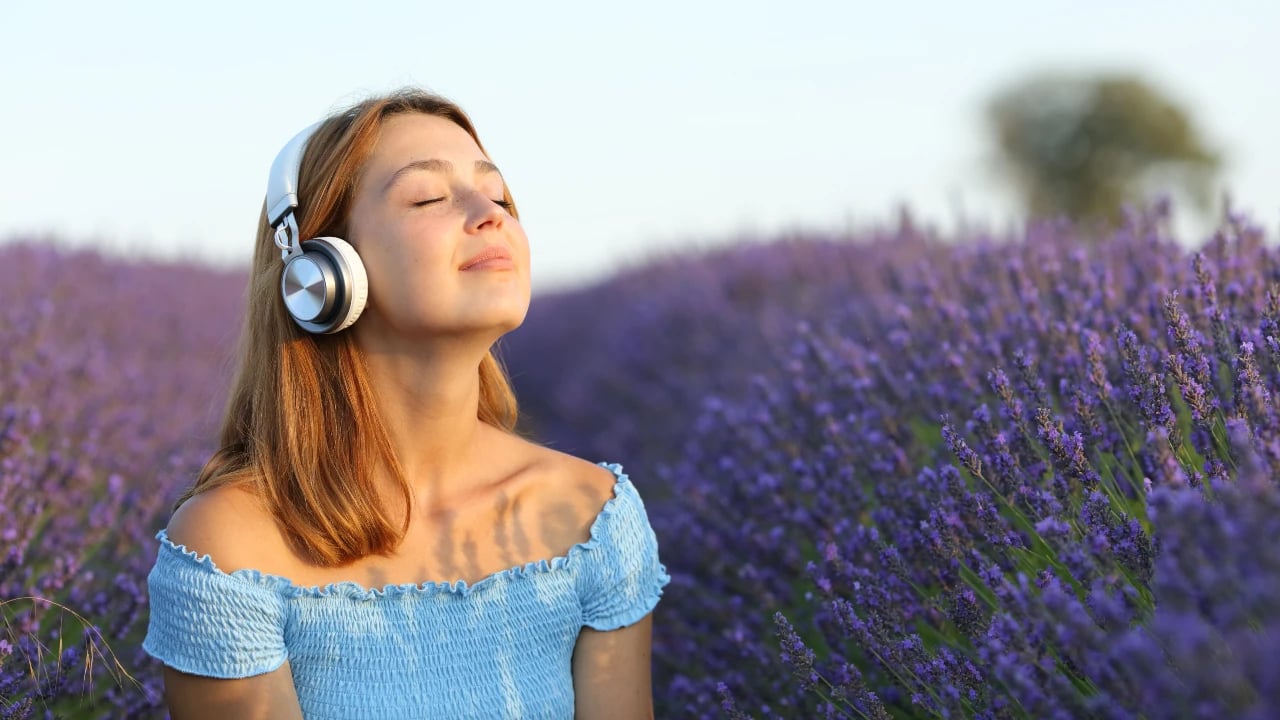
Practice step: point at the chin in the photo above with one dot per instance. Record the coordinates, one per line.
(503, 318)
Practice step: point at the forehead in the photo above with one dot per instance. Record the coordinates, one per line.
(416, 136)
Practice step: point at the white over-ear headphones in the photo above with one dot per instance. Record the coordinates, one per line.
(324, 284)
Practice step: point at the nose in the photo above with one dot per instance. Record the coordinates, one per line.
(483, 213)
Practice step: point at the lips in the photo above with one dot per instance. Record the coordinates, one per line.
(493, 252)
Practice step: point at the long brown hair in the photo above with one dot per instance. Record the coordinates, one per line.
(301, 424)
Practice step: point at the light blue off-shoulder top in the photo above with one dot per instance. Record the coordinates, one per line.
(500, 648)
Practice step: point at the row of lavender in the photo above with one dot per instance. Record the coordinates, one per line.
(837, 545)
(110, 379)
(901, 478)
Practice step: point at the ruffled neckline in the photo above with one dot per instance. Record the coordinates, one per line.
(354, 590)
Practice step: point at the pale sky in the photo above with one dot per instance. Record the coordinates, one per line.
(148, 128)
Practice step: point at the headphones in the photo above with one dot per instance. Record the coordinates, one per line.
(324, 285)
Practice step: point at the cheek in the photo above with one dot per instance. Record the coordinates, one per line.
(401, 247)
(520, 242)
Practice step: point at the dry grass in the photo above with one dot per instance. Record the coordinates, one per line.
(97, 653)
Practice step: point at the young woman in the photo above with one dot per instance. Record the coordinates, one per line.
(373, 539)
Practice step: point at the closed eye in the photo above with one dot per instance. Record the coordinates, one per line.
(504, 204)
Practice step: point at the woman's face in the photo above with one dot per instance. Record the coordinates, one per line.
(426, 202)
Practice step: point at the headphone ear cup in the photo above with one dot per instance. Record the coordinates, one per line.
(325, 288)
(355, 279)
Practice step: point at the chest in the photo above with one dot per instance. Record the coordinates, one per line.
(467, 543)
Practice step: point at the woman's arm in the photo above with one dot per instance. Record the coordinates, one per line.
(611, 673)
(266, 697)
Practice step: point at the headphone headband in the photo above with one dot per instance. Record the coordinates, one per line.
(282, 185)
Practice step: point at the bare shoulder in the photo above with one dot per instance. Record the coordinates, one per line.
(229, 524)
(595, 480)
(585, 485)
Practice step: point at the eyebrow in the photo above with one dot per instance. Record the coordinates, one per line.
(437, 165)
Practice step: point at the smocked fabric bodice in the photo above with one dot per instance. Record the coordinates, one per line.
(500, 648)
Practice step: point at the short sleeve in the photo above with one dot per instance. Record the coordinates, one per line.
(206, 622)
(620, 578)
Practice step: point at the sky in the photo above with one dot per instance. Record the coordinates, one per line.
(623, 129)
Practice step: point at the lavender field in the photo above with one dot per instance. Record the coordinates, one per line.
(891, 476)
(110, 383)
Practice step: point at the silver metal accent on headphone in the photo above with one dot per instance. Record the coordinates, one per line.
(309, 288)
(287, 237)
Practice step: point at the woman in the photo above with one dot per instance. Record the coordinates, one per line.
(373, 539)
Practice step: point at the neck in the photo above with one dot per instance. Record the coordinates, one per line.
(429, 400)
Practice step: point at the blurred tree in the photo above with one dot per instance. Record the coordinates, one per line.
(1083, 146)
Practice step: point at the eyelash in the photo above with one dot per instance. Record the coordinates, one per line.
(504, 204)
